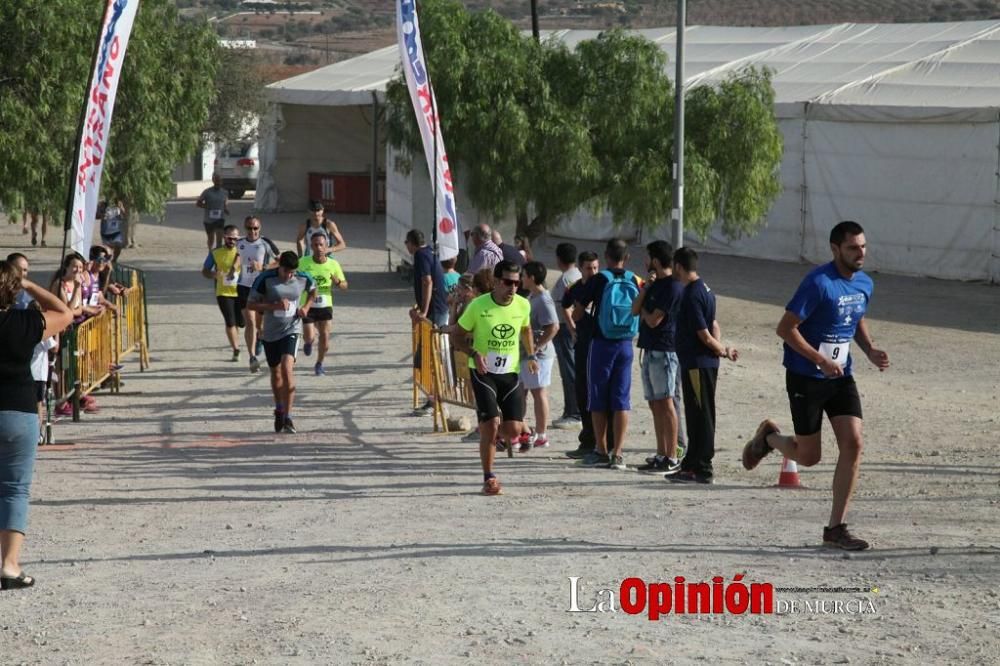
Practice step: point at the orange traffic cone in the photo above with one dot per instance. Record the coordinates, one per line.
(789, 476)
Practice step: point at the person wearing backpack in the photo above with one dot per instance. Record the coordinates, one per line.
(699, 349)
(609, 364)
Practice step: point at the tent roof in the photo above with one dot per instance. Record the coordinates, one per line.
(928, 67)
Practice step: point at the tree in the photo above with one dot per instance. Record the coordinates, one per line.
(161, 109)
(239, 96)
(546, 129)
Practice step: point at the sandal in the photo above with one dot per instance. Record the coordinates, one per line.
(16, 583)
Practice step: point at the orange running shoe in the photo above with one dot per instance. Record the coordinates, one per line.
(492, 486)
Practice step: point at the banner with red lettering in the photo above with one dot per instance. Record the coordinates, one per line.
(119, 15)
(425, 107)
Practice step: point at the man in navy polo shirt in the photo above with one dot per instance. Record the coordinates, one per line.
(699, 349)
(825, 314)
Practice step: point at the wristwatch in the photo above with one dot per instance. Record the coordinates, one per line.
(532, 357)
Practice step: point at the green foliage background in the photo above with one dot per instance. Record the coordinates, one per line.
(164, 95)
(548, 129)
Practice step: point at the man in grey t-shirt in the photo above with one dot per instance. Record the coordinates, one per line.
(277, 293)
(565, 342)
(544, 326)
(215, 202)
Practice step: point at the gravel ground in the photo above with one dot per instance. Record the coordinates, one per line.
(180, 530)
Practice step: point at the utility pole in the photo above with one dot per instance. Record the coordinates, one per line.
(534, 20)
(677, 222)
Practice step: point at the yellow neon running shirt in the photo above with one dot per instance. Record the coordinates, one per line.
(496, 331)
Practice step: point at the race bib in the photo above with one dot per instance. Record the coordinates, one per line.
(248, 267)
(288, 312)
(230, 280)
(215, 214)
(499, 364)
(320, 301)
(836, 351)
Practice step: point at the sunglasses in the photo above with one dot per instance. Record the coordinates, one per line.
(103, 260)
(253, 228)
(509, 282)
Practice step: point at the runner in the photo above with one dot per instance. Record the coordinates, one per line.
(222, 265)
(257, 254)
(277, 293)
(825, 314)
(497, 321)
(215, 202)
(113, 216)
(319, 223)
(326, 273)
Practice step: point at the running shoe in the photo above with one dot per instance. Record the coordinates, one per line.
(254, 365)
(568, 423)
(492, 486)
(541, 442)
(288, 426)
(279, 420)
(501, 446)
(596, 459)
(524, 447)
(688, 476)
(618, 463)
(318, 369)
(579, 452)
(307, 349)
(236, 356)
(672, 469)
(655, 464)
(757, 448)
(839, 537)
(258, 349)
(34, 239)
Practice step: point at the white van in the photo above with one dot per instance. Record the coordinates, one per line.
(237, 164)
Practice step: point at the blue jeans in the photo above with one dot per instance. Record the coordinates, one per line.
(18, 446)
(563, 343)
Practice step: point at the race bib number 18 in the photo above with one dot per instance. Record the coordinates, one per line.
(837, 352)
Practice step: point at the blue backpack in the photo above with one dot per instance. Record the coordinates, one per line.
(614, 315)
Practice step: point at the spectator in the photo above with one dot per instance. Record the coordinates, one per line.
(20, 331)
(451, 276)
(509, 252)
(428, 292)
(563, 343)
(113, 217)
(485, 254)
(544, 325)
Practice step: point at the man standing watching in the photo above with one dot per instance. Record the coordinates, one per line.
(223, 265)
(609, 364)
(215, 202)
(699, 349)
(486, 254)
(428, 291)
(826, 313)
(563, 343)
(496, 322)
(278, 294)
(326, 273)
(658, 305)
(257, 254)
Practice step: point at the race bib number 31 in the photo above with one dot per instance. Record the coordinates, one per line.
(837, 352)
(498, 364)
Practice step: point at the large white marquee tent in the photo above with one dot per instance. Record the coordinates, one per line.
(894, 125)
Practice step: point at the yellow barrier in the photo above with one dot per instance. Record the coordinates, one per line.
(440, 373)
(96, 350)
(132, 325)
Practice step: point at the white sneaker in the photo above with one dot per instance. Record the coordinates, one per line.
(567, 423)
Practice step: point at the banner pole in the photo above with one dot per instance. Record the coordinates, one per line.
(434, 176)
(68, 220)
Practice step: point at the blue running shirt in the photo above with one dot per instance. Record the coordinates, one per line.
(830, 307)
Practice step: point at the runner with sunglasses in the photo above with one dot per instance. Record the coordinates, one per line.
(497, 323)
(257, 254)
(223, 265)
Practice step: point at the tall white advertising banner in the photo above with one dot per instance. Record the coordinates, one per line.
(119, 15)
(425, 107)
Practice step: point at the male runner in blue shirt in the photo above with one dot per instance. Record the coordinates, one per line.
(823, 317)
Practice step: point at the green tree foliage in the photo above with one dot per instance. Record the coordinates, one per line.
(549, 129)
(161, 108)
(239, 96)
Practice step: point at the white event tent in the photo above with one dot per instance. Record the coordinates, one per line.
(896, 126)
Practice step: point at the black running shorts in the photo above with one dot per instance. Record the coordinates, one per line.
(498, 396)
(286, 346)
(231, 312)
(318, 314)
(810, 397)
(242, 296)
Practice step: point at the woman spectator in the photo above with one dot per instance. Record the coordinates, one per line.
(67, 284)
(20, 331)
(523, 246)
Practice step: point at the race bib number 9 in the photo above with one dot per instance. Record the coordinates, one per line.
(498, 364)
(215, 214)
(836, 351)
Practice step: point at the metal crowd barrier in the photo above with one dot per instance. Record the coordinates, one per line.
(440, 372)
